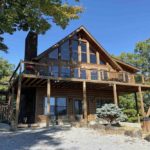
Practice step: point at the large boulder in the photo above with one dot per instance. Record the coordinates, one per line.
(147, 138)
(133, 133)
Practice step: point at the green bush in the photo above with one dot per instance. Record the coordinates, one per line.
(111, 113)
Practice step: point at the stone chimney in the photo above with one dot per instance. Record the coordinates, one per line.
(31, 46)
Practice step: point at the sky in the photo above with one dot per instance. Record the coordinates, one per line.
(116, 24)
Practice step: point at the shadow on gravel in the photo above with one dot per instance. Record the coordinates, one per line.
(24, 139)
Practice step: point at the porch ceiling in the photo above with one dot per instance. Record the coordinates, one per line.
(41, 82)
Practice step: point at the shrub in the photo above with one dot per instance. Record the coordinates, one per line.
(111, 113)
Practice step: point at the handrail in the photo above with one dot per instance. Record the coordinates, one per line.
(112, 75)
(18, 66)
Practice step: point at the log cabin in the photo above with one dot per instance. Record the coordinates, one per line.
(69, 80)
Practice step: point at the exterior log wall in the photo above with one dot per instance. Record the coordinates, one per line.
(92, 95)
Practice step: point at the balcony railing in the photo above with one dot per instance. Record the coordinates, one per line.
(77, 72)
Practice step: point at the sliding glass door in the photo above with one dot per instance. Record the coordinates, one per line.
(58, 106)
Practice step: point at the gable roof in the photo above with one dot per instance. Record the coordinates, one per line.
(114, 62)
(124, 64)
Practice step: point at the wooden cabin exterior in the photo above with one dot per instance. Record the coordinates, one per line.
(70, 80)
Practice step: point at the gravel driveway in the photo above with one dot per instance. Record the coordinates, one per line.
(68, 139)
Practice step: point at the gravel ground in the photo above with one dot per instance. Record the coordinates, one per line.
(68, 139)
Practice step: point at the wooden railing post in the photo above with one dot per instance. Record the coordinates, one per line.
(85, 102)
(143, 80)
(18, 95)
(48, 102)
(141, 100)
(115, 94)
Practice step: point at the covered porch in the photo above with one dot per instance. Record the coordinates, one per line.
(84, 94)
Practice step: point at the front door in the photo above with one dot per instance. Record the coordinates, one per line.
(78, 111)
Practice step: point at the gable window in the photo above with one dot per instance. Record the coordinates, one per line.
(65, 71)
(83, 52)
(94, 75)
(104, 75)
(75, 50)
(76, 73)
(83, 74)
(54, 54)
(54, 72)
(92, 56)
(102, 62)
(65, 51)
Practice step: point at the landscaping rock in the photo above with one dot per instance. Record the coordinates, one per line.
(147, 138)
(133, 133)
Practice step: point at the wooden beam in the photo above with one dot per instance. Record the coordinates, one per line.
(115, 94)
(48, 102)
(85, 103)
(18, 97)
(141, 100)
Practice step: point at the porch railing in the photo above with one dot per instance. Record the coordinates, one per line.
(76, 71)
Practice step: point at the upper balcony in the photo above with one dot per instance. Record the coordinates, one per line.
(76, 73)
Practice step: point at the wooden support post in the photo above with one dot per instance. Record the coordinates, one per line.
(136, 105)
(115, 94)
(85, 102)
(48, 102)
(18, 96)
(141, 100)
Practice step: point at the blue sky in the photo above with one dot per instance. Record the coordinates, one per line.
(117, 24)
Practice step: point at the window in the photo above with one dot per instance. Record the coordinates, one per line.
(83, 52)
(94, 75)
(104, 75)
(102, 62)
(65, 51)
(101, 101)
(65, 71)
(58, 106)
(54, 71)
(75, 50)
(54, 54)
(78, 107)
(76, 73)
(61, 106)
(83, 74)
(92, 56)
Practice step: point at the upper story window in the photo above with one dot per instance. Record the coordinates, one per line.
(74, 50)
(83, 74)
(94, 75)
(83, 52)
(76, 73)
(65, 71)
(55, 70)
(92, 56)
(65, 51)
(102, 62)
(54, 54)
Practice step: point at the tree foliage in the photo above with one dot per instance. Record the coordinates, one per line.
(141, 59)
(34, 15)
(6, 70)
(128, 106)
(111, 113)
